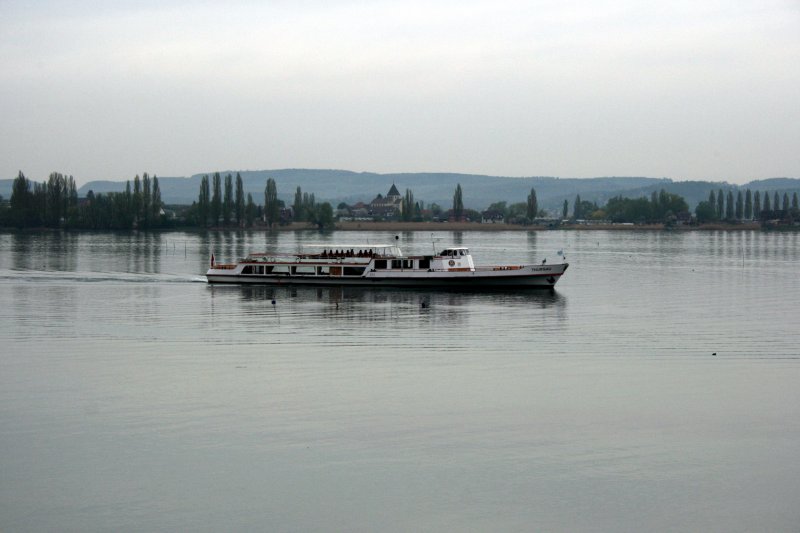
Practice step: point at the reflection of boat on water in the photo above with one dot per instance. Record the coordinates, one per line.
(383, 266)
(422, 298)
(368, 305)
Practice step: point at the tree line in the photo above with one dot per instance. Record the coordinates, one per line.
(659, 207)
(215, 208)
(664, 207)
(222, 203)
(747, 206)
(55, 204)
(218, 206)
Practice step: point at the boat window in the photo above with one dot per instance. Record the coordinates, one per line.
(304, 270)
(425, 263)
(396, 263)
(323, 270)
(247, 269)
(408, 263)
(353, 271)
(282, 270)
(380, 264)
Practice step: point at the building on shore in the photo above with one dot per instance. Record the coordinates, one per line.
(387, 206)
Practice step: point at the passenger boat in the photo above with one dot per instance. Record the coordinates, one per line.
(383, 265)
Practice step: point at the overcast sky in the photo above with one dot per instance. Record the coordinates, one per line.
(682, 89)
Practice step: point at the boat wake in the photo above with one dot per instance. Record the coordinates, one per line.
(56, 276)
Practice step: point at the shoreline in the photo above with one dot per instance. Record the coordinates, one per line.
(435, 226)
(477, 226)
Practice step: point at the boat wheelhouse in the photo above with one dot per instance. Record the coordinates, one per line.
(382, 265)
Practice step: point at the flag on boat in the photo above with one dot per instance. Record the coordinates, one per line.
(212, 259)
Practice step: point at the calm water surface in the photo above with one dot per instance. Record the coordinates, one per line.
(135, 397)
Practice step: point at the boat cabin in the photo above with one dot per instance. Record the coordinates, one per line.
(454, 258)
(355, 261)
(459, 251)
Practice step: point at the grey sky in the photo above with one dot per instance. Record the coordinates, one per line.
(682, 89)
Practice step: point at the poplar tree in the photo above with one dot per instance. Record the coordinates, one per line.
(203, 202)
(767, 206)
(757, 205)
(55, 192)
(297, 206)
(146, 199)
(720, 205)
(308, 207)
(776, 201)
(786, 201)
(458, 203)
(156, 202)
(408, 206)
(794, 201)
(576, 208)
(729, 206)
(271, 207)
(39, 201)
(239, 200)
(22, 212)
(216, 200)
(739, 205)
(565, 210)
(137, 198)
(748, 205)
(20, 192)
(532, 208)
(227, 202)
(712, 201)
(71, 200)
(249, 211)
(128, 202)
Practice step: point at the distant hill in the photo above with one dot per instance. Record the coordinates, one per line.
(346, 186)
(479, 190)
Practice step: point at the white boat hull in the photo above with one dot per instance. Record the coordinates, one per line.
(524, 276)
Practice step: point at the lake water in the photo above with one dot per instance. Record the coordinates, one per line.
(135, 397)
